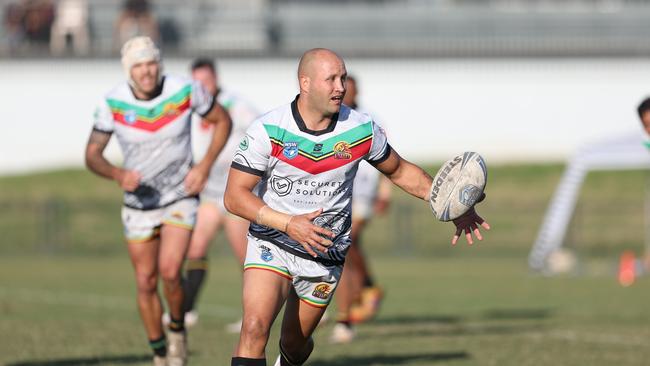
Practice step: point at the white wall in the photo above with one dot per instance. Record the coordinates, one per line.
(509, 110)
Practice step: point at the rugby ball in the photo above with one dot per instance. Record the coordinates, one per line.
(457, 186)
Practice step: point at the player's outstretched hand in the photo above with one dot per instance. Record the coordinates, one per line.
(129, 180)
(195, 180)
(469, 222)
(302, 229)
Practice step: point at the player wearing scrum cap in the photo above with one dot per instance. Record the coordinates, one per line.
(150, 116)
(305, 155)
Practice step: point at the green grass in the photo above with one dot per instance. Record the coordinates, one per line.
(67, 289)
(451, 311)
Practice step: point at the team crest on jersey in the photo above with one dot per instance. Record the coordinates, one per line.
(266, 255)
(130, 117)
(243, 145)
(290, 150)
(170, 110)
(322, 291)
(342, 151)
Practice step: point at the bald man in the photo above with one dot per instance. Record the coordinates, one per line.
(306, 154)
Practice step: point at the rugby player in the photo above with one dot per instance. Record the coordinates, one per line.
(212, 214)
(150, 115)
(306, 154)
(358, 298)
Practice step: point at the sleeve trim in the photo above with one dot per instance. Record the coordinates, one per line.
(382, 158)
(102, 131)
(246, 169)
(214, 100)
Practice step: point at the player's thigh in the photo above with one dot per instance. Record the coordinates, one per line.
(265, 286)
(313, 287)
(174, 242)
(144, 257)
(208, 221)
(236, 231)
(264, 293)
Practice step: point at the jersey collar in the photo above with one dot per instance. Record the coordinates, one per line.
(301, 123)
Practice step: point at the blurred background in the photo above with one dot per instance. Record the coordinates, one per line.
(545, 90)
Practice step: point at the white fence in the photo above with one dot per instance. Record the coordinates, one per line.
(509, 110)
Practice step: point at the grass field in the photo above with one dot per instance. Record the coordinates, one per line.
(66, 287)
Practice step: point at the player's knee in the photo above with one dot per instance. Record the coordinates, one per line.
(146, 283)
(170, 274)
(255, 329)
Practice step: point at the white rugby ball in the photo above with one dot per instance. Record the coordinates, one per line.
(457, 186)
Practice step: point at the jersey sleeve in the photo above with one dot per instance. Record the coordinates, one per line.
(103, 118)
(254, 150)
(201, 100)
(380, 149)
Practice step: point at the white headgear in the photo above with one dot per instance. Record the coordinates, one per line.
(137, 50)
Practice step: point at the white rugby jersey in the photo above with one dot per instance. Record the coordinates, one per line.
(366, 182)
(241, 114)
(303, 170)
(154, 136)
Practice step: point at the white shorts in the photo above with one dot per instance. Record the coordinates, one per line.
(141, 225)
(362, 207)
(314, 282)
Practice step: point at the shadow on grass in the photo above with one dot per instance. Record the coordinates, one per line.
(518, 314)
(452, 331)
(417, 319)
(391, 359)
(98, 360)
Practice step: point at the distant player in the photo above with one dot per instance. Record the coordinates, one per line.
(358, 297)
(211, 214)
(150, 116)
(305, 155)
(630, 268)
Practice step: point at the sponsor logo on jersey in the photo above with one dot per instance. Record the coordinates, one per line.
(342, 151)
(290, 149)
(322, 291)
(281, 185)
(243, 145)
(266, 255)
(130, 117)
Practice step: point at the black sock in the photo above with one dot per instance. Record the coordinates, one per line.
(368, 282)
(243, 361)
(159, 346)
(176, 325)
(285, 359)
(195, 271)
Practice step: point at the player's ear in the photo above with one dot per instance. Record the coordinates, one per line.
(304, 82)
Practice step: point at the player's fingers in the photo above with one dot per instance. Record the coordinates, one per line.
(468, 236)
(309, 249)
(322, 241)
(316, 245)
(454, 240)
(323, 231)
(485, 225)
(477, 232)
